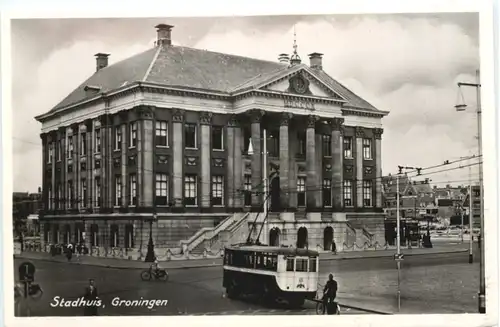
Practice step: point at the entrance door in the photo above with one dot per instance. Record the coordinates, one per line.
(274, 237)
(328, 238)
(275, 194)
(302, 238)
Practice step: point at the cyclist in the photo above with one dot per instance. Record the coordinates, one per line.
(329, 292)
(155, 267)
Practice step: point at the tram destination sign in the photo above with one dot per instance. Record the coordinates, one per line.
(299, 103)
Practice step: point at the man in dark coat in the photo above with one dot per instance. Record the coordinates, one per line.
(329, 292)
(91, 299)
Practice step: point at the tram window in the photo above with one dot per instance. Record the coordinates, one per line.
(312, 264)
(289, 264)
(301, 265)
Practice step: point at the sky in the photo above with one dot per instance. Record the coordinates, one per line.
(407, 64)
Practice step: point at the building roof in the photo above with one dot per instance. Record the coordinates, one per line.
(196, 69)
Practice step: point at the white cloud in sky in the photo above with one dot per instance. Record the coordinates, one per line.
(409, 67)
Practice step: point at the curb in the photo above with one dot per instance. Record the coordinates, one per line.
(121, 268)
(364, 309)
(390, 256)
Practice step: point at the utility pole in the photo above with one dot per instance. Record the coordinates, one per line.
(462, 107)
(471, 256)
(264, 173)
(398, 242)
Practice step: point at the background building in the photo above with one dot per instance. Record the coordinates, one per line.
(160, 142)
(25, 209)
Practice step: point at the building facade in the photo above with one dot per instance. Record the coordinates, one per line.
(160, 142)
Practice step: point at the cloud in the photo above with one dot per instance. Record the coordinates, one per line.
(402, 64)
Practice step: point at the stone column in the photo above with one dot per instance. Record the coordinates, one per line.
(378, 166)
(178, 156)
(68, 161)
(63, 177)
(292, 171)
(93, 155)
(123, 163)
(284, 170)
(108, 161)
(359, 166)
(78, 185)
(232, 190)
(147, 156)
(90, 163)
(238, 164)
(206, 162)
(319, 170)
(138, 159)
(337, 163)
(312, 188)
(53, 140)
(257, 179)
(76, 167)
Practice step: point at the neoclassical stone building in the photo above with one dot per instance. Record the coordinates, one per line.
(161, 141)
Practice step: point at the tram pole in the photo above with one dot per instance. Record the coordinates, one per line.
(264, 173)
(398, 243)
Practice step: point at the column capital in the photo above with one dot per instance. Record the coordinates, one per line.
(178, 116)
(89, 124)
(205, 118)
(311, 121)
(378, 133)
(256, 115)
(123, 116)
(360, 133)
(285, 118)
(336, 123)
(145, 112)
(233, 121)
(106, 120)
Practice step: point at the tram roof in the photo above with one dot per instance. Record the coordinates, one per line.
(274, 249)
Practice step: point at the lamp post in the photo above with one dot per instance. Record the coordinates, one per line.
(462, 107)
(264, 179)
(150, 255)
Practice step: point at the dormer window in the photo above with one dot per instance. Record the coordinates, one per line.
(91, 90)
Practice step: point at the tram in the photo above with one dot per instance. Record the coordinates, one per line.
(272, 273)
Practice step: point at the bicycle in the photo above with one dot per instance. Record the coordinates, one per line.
(319, 308)
(160, 274)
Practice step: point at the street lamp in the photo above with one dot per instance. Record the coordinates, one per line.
(463, 107)
(150, 255)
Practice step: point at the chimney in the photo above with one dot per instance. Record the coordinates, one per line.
(316, 60)
(283, 57)
(101, 61)
(164, 34)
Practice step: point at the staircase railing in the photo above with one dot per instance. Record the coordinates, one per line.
(200, 235)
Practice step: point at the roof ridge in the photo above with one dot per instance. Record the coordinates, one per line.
(229, 54)
(152, 63)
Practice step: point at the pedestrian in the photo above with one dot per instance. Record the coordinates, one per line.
(69, 251)
(91, 299)
(334, 248)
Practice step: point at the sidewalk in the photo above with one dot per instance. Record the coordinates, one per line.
(200, 263)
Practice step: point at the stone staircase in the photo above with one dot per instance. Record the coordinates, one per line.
(210, 238)
(362, 235)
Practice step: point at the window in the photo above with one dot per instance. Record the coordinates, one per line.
(367, 193)
(161, 198)
(247, 135)
(51, 152)
(290, 264)
(129, 236)
(70, 194)
(113, 237)
(97, 141)
(312, 264)
(326, 141)
(118, 138)
(217, 138)
(367, 149)
(133, 135)
(133, 189)
(248, 190)
(327, 192)
(347, 147)
(347, 193)
(59, 150)
(118, 190)
(273, 143)
(84, 193)
(301, 265)
(161, 133)
(49, 197)
(217, 190)
(70, 147)
(301, 136)
(301, 191)
(98, 191)
(190, 136)
(83, 144)
(94, 232)
(190, 190)
(59, 200)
